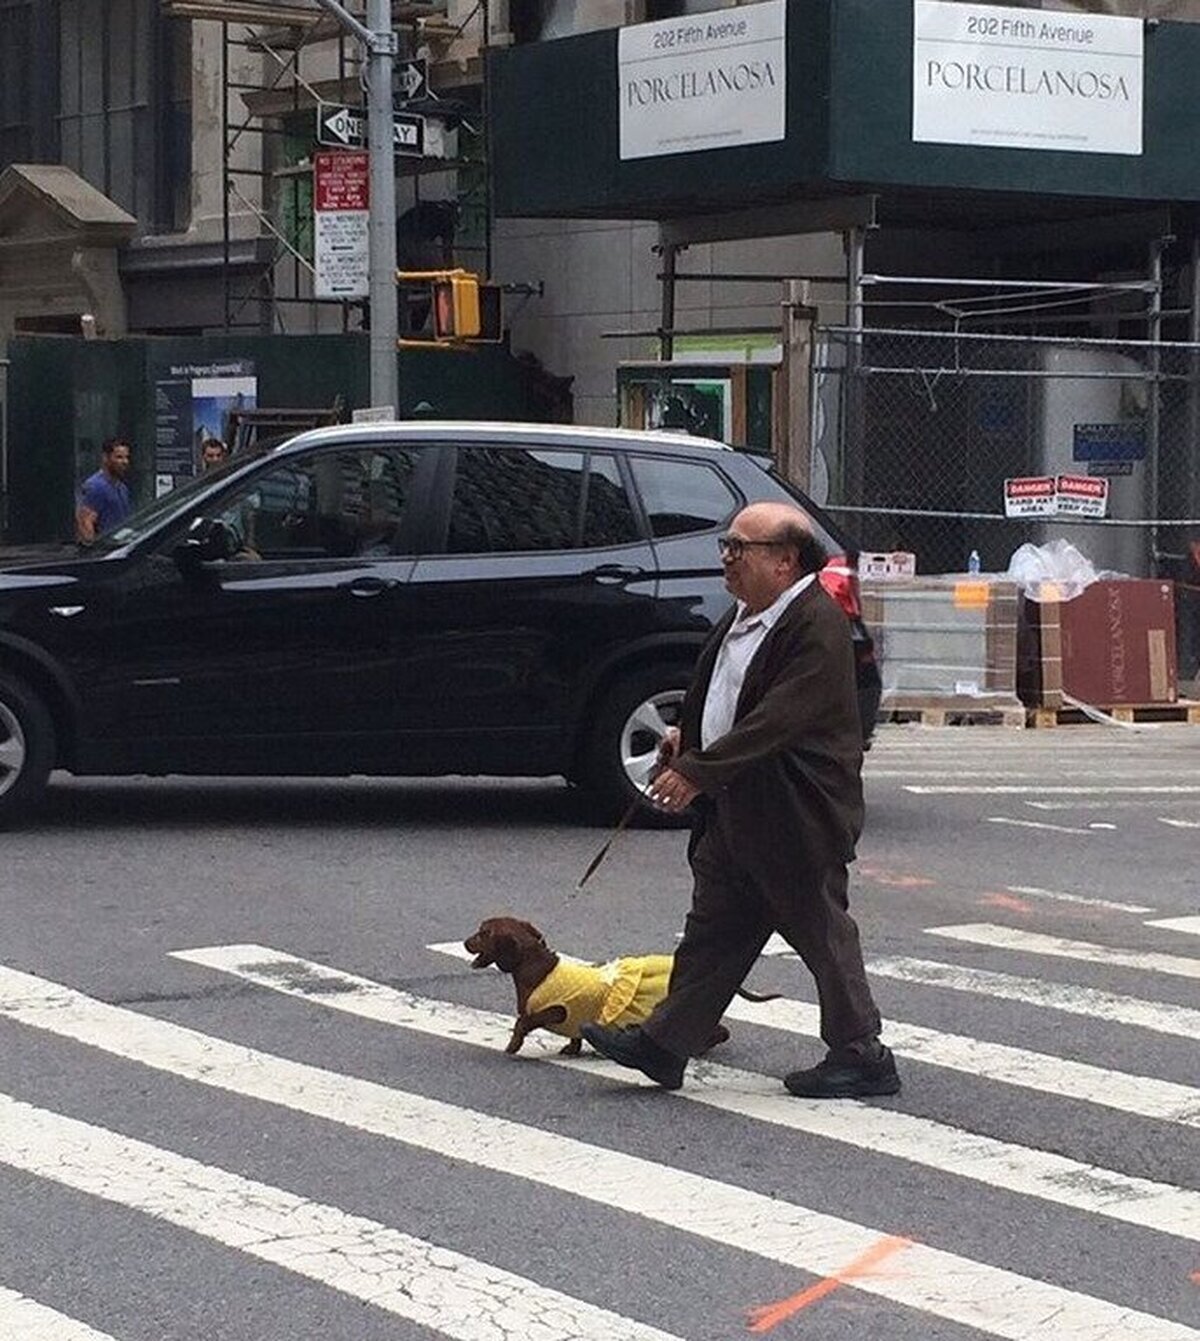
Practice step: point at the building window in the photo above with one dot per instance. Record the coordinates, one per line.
(125, 105)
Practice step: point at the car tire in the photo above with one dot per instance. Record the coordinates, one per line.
(623, 742)
(26, 747)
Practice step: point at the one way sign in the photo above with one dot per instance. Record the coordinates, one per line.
(412, 79)
(346, 128)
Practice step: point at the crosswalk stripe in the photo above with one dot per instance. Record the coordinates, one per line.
(430, 1285)
(1190, 926)
(1036, 891)
(1162, 1017)
(1038, 789)
(213, 1202)
(1038, 943)
(1014, 1168)
(24, 1319)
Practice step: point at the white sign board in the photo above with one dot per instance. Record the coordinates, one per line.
(1026, 79)
(706, 81)
(1030, 496)
(341, 219)
(1082, 496)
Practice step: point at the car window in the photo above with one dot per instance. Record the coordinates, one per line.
(682, 496)
(345, 504)
(608, 515)
(520, 499)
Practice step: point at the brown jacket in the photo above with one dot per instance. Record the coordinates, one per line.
(788, 777)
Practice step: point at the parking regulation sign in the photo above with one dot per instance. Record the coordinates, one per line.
(1030, 496)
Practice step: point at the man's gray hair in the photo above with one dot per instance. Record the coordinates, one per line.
(810, 553)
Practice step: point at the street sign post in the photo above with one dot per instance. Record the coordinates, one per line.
(341, 219)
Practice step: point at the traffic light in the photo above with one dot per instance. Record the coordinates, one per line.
(456, 307)
(460, 308)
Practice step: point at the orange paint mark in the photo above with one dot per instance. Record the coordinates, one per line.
(762, 1319)
(1195, 1278)
(894, 880)
(1014, 905)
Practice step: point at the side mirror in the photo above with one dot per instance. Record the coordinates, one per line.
(208, 539)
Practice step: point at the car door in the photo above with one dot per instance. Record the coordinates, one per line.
(543, 571)
(282, 657)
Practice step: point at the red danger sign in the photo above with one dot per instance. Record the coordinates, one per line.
(1030, 496)
(341, 181)
(1082, 496)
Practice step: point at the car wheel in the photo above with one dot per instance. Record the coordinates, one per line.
(26, 746)
(624, 742)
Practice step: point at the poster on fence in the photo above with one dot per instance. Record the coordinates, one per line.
(1055, 496)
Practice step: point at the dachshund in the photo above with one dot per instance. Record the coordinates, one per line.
(562, 995)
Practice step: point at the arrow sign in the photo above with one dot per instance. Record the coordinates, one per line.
(340, 126)
(408, 134)
(412, 79)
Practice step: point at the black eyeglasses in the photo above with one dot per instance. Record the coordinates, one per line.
(733, 546)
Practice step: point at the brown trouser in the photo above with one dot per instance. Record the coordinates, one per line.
(733, 913)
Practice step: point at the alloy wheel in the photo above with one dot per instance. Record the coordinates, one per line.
(13, 749)
(643, 729)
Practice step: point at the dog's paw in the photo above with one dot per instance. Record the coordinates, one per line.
(571, 1049)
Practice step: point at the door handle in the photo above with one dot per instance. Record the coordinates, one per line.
(364, 587)
(612, 573)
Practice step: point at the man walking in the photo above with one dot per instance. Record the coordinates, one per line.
(104, 501)
(770, 752)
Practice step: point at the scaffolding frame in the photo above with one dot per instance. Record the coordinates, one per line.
(283, 32)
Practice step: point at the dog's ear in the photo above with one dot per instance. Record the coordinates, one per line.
(534, 933)
(505, 952)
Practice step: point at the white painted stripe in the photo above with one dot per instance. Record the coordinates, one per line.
(1142, 803)
(1161, 1017)
(1036, 789)
(1188, 925)
(1014, 1168)
(214, 1203)
(1034, 891)
(1037, 943)
(432, 1286)
(24, 1319)
(1179, 823)
(1036, 824)
(917, 773)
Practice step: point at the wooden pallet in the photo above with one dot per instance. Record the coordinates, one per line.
(942, 714)
(1185, 710)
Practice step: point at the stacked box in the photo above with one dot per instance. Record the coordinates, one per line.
(945, 642)
(1113, 645)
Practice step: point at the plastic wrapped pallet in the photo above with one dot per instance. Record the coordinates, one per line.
(945, 643)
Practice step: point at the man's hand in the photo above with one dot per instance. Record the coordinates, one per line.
(672, 792)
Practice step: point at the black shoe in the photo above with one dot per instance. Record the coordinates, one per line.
(846, 1077)
(631, 1047)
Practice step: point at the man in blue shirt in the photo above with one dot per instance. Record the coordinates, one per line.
(104, 501)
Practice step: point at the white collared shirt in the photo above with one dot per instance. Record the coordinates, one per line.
(737, 650)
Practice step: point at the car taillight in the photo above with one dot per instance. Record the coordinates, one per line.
(839, 577)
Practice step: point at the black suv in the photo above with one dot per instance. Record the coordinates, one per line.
(403, 599)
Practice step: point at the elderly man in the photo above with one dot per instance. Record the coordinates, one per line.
(769, 754)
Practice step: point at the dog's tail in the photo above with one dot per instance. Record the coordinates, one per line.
(758, 996)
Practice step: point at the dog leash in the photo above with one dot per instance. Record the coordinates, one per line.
(612, 837)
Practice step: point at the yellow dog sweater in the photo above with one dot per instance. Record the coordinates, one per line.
(622, 992)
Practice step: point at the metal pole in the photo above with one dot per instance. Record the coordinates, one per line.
(666, 338)
(1154, 332)
(379, 38)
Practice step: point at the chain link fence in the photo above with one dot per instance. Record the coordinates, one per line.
(916, 431)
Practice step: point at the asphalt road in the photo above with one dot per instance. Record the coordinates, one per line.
(251, 1091)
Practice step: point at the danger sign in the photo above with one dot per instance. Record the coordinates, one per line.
(1055, 496)
(1082, 496)
(1030, 496)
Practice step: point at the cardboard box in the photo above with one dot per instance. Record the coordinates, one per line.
(1112, 645)
(899, 563)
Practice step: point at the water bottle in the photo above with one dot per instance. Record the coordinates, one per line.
(973, 561)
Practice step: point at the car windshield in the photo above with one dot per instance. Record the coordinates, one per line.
(147, 518)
